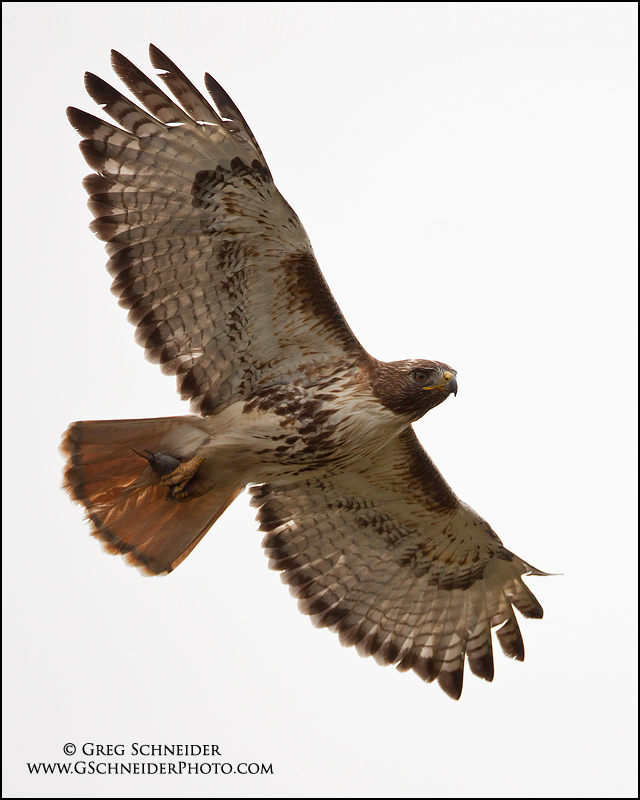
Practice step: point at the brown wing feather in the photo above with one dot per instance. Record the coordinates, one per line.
(213, 265)
(387, 556)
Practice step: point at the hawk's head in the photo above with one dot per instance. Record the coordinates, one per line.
(413, 387)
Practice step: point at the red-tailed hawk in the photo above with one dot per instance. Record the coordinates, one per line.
(221, 282)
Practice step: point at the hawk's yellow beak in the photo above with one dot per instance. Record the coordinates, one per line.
(449, 383)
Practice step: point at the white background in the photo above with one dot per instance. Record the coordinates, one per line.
(466, 173)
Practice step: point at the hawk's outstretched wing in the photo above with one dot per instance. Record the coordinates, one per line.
(214, 266)
(386, 555)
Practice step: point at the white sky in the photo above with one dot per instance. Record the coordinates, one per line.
(466, 173)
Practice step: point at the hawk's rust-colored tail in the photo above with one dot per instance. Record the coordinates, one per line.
(128, 508)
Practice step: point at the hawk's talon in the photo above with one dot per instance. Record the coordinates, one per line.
(178, 478)
(193, 488)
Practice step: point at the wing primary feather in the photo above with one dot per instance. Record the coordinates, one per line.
(510, 638)
(230, 114)
(148, 93)
(451, 682)
(126, 113)
(481, 656)
(524, 600)
(185, 92)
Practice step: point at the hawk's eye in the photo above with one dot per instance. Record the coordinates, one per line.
(420, 376)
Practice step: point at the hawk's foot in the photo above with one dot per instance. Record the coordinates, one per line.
(196, 487)
(182, 475)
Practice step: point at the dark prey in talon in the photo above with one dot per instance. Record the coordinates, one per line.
(160, 463)
(220, 279)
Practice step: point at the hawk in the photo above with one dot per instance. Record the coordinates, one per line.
(220, 280)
